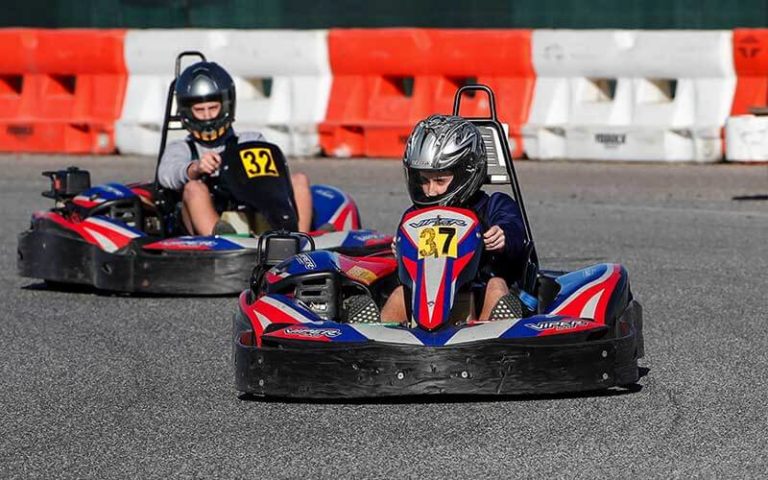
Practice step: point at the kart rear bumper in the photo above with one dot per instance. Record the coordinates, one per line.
(499, 367)
(53, 256)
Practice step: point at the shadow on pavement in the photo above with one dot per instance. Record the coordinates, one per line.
(750, 198)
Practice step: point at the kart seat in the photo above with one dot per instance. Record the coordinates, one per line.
(498, 156)
(497, 167)
(245, 221)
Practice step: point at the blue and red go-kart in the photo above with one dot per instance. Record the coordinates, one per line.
(129, 238)
(309, 326)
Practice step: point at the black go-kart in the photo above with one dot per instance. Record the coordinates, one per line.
(130, 238)
(309, 326)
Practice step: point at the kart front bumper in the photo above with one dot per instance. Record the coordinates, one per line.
(498, 367)
(57, 257)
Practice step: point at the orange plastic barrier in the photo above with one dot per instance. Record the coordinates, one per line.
(386, 80)
(60, 90)
(750, 59)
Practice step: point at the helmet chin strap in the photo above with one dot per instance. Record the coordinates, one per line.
(210, 135)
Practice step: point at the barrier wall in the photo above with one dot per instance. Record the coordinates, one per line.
(60, 90)
(750, 58)
(630, 95)
(746, 138)
(592, 94)
(386, 80)
(282, 80)
(747, 135)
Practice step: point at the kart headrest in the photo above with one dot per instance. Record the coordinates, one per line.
(277, 245)
(493, 133)
(497, 160)
(278, 248)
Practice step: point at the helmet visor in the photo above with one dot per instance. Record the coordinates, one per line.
(431, 187)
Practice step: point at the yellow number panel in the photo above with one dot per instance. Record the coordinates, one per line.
(258, 162)
(438, 242)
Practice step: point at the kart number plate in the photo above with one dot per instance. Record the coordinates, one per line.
(437, 242)
(258, 162)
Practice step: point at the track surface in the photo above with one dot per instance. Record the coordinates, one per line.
(95, 386)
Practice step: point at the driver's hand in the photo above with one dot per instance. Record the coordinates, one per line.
(207, 165)
(494, 239)
(394, 247)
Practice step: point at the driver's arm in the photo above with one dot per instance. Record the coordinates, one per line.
(504, 212)
(173, 169)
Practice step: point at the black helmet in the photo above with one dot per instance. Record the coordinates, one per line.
(444, 143)
(205, 82)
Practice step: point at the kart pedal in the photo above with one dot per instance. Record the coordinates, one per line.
(361, 309)
(508, 306)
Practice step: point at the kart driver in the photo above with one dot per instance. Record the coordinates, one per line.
(445, 165)
(205, 95)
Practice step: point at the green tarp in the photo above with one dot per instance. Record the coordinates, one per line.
(645, 14)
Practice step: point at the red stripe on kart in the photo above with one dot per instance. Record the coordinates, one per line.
(273, 313)
(85, 203)
(273, 277)
(345, 220)
(249, 312)
(602, 305)
(410, 267)
(459, 264)
(142, 192)
(573, 307)
(422, 300)
(113, 235)
(75, 227)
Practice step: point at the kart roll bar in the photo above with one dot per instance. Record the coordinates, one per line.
(493, 122)
(169, 117)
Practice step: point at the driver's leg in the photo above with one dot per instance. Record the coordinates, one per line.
(496, 288)
(197, 208)
(394, 309)
(303, 196)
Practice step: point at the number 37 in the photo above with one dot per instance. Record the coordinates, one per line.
(440, 242)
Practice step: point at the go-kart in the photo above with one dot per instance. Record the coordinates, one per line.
(130, 238)
(309, 326)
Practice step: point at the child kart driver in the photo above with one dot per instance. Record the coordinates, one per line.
(205, 95)
(445, 165)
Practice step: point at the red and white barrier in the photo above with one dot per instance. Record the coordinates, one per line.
(569, 94)
(630, 95)
(746, 138)
(282, 79)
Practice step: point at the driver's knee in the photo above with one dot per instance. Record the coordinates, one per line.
(300, 181)
(497, 285)
(195, 190)
(394, 308)
(495, 289)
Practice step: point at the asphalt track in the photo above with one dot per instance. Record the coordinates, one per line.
(97, 386)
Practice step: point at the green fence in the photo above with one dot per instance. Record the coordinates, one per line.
(647, 14)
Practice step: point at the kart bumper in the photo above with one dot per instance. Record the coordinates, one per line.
(499, 367)
(56, 257)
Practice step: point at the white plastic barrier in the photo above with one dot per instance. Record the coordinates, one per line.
(630, 95)
(746, 138)
(282, 78)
